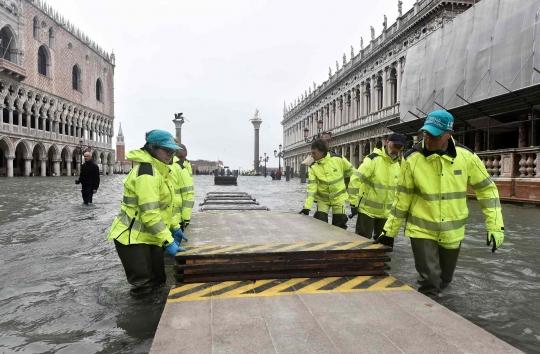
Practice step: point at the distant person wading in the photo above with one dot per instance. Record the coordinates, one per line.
(88, 178)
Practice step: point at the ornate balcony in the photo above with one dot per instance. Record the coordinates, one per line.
(12, 69)
(516, 173)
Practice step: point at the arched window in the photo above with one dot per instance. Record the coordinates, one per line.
(36, 28)
(76, 78)
(51, 37)
(7, 45)
(99, 90)
(44, 61)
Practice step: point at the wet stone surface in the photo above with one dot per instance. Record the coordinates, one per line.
(63, 288)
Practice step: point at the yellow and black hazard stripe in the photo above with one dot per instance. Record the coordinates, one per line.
(280, 247)
(281, 287)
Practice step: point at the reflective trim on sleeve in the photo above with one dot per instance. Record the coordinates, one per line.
(400, 214)
(311, 194)
(370, 183)
(186, 189)
(353, 190)
(177, 210)
(149, 206)
(187, 204)
(482, 184)
(163, 206)
(436, 226)
(157, 227)
(405, 190)
(312, 181)
(371, 203)
(131, 200)
(490, 203)
(177, 191)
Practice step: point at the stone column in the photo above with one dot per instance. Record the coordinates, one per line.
(343, 150)
(361, 152)
(361, 100)
(10, 114)
(383, 139)
(10, 165)
(20, 120)
(78, 167)
(478, 137)
(43, 167)
(1, 117)
(374, 96)
(352, 155)
(371, 145)
(256, 127)
(523, 132)
(68, 168)
(111, 169)
(56, 167)
(385, 94)
(27, 166)
(399, 77)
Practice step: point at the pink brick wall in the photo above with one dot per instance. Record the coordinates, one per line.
(63, 59)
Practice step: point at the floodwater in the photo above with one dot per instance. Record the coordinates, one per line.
(63, 289)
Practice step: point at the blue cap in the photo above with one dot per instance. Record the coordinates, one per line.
(438, 122)
(162, 138)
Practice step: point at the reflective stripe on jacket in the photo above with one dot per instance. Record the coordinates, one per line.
(146, 212)
(431, 194)
(183, 190)
(326, 180)
(373, 185)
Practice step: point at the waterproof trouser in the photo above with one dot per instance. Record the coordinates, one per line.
(367, 226)
(434, 263)
(144, 266)
(339, 218)
(87, 192)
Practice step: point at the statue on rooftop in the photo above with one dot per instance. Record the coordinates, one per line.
(372, 33)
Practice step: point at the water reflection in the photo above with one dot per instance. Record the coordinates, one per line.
(64, 289)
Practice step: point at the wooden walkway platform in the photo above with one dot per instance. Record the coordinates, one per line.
(357, 314)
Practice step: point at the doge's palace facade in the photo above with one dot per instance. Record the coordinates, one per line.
(56, 93)
(362, 95)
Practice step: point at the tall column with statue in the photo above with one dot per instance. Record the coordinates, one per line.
(178, 121)
(256, 121)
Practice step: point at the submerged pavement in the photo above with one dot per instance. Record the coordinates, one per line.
(63, 288)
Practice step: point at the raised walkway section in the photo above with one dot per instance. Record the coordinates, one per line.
(357, 314)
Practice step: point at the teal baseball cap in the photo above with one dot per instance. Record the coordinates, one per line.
(162, 138)
(438, 122)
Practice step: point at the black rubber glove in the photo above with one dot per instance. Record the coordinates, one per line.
(384, 240)
(354, 211)
(304, 211)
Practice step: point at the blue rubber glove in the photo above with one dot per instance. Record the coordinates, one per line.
(178, 236)
(172, 249)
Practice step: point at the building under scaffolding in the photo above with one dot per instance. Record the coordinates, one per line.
(484, 68)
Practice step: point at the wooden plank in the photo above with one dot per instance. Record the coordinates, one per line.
(291, 256)
(277, 275)
(282, 264)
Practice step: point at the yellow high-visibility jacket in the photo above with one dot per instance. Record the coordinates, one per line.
(325, 180)
(183, 190)
(373, 185)
(187, 165)
(146, 212)
(432, 194)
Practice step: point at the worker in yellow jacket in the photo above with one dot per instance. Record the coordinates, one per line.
(145, 225)
(185, 185)
(326, 184)
(432, 199)
(373, 185)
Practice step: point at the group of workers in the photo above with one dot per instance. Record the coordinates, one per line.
(155, 211)
(427, 190)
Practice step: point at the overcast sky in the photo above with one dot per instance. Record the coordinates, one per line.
(217, 61)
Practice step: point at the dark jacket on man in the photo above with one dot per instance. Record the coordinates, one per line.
(89, 175)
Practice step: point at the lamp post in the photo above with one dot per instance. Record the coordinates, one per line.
(265, 159)
(309, 139)
(279, 156)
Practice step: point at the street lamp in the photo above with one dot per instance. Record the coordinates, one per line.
(279, 155)
(265, 159)
(309, 139)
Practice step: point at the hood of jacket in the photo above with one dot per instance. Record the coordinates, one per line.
(382, 153)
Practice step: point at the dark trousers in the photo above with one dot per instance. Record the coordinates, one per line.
(366, 225)
(435, 265)
(144, 266)
(87, 194)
